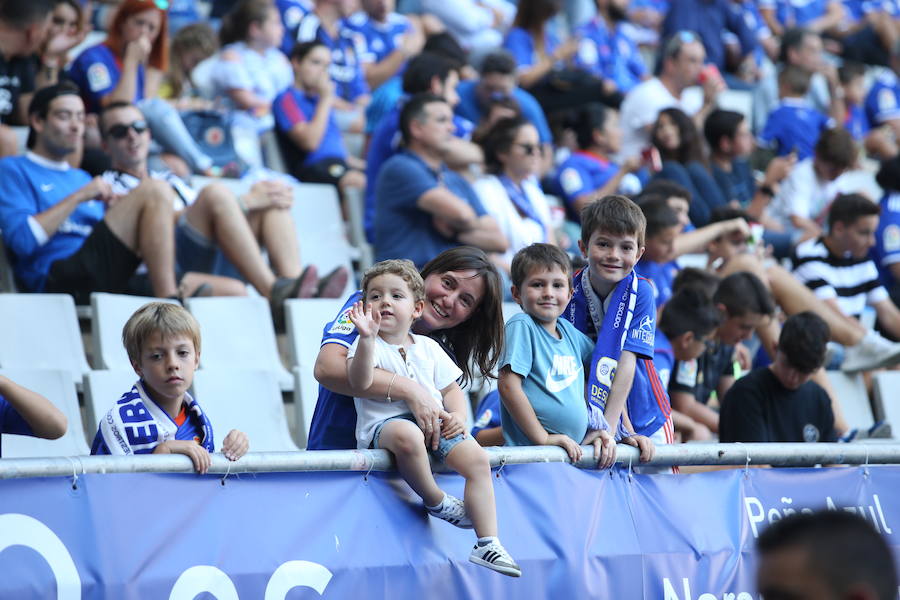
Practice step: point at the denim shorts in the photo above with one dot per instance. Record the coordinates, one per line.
(444, 445)
(193, 252)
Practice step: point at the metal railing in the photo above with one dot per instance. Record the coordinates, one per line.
(781, 455)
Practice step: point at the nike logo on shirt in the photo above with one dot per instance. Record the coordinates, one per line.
(565, 366)
(46, 187)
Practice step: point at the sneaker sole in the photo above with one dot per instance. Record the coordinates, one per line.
(885, 361)
(460, 524)
(508, 571)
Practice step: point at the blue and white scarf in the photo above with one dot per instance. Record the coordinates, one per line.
(612, 328)
(136, 424)
(520, 200)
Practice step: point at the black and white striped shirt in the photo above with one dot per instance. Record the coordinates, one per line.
(852, 282)
(123, 182)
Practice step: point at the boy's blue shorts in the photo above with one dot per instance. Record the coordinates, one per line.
(444, 445)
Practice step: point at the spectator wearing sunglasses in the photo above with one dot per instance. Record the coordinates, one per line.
(510, 192)
(213, 223)
(69, 233)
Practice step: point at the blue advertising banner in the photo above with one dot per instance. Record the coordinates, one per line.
(576, 534)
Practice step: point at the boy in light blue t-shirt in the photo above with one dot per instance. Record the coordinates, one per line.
(542, 374)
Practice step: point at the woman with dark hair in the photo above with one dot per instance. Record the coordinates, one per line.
(545, 68)
(675, 136)
(510, 192)
(128, 67)
(462, 311)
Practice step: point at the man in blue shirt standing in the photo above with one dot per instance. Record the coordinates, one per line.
(422, 207)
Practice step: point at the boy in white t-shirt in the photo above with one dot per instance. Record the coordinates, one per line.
(394, 297)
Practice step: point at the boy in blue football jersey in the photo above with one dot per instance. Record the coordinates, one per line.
(614, 307)
(794, 126)
(158, 415)
(542, 372)
(24, 412)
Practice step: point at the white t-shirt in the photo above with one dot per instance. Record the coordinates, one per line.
(426, 363)
(803, 194)
(640, 108)
(520, 231)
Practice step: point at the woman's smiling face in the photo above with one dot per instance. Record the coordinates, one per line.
(451, 298)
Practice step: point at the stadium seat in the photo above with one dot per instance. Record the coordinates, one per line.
(102, 389)
(356, 212)
(245, 399)
(851, 392)
(237, 333)
(510, 309)
(55, 385)
(320, 226)
(886, 384)
(40, 331)
(110, 312)
(305, 322)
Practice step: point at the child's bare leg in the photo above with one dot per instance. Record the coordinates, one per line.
(406, 442)
(471, 461)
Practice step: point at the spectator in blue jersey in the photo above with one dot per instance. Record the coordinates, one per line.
(731, 143)
(542, 382)
(622, 380)
(510, 191)
(745, 304)
(426, 73)
(326, 23)
(24, 412)
(308, 132)
(658, 262)
(497, 79)
(128, 67)
(680, 147)
(486, 427)
(868, 34)
(801, 48)
(215, 224)
(795, 125)
(463, 310)
(882, 102)
(422, 207)
(878, 141)
(886, 252)
(589, 172)
(292, 12)
(251, 71)
(386, 40)
(68, 233)
(710, 19)
(158, 415)
(818, 16)
(838, 268)
(546, 67)
(607, 50)
(751, 67)
(685, 327)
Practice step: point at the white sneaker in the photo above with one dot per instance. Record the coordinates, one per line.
(453, 511)
(873, 352)
(495, 557)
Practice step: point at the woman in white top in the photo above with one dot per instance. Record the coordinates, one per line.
(510, 192)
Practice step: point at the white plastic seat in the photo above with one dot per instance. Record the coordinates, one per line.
(248, 400)
(237, 333)
(102, 389)
(305, 322)
(886, 384)
(851, 392)
(40, 331)
(510, 309)
(55, 385)
(110, 313)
